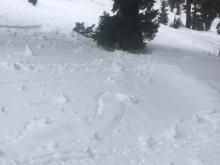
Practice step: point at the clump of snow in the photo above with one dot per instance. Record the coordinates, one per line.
(63, 99)
(116, 67)
(28, 51)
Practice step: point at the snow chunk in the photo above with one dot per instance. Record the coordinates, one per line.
(173, 133)
(126, 98)
(63, 99)
(148, 142)
(28, 51)
(116, 67)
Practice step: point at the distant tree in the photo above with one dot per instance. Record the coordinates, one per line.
(171, 4)
(209, 11)
(34, 2)
(175, 4)
(178, 9)
(196, 17)
(163, 15)
(177, 23)
(201, 13)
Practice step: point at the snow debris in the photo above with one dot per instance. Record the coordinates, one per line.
(28, 51)
(63, 99)
(198, 119)
(53, 145)
(123, 107)
(89, 152)
(173, 133)
(116, 67)
(127, 98)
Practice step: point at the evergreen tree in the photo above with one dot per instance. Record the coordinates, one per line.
(133, 21)
(163, 16)
(171, 4)
(107, 33)
(34, 2)
(178, 9)
(201, 13)
(175, 4)
(197, 22)
(209, 11)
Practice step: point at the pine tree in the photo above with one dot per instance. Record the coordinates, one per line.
(197, 22)
(178, 8)
(132, 22)
(171, 4)
(209, 11)
(163, 16)
(175, 4)
(34, 2)
(201, 13)
(107, 33)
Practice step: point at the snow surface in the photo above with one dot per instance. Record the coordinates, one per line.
(65, 101)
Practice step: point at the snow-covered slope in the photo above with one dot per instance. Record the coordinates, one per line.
(65, 101)
(53, 14)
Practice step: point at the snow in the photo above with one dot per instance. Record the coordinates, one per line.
(63, 100)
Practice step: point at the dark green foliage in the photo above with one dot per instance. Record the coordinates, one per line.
(106, 34)
(34, 2)
(188, 8)
(115, 32)
(178, 10)
(149, 25)
(85, 31)
(177, 23)
(133, 22)
(171, 4)
(197, 21)
(209, 11)
(163, 16)
(175, 4)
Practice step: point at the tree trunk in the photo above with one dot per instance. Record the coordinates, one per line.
(188, 13)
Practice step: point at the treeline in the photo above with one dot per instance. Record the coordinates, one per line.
(134, 21)
(199, 13)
